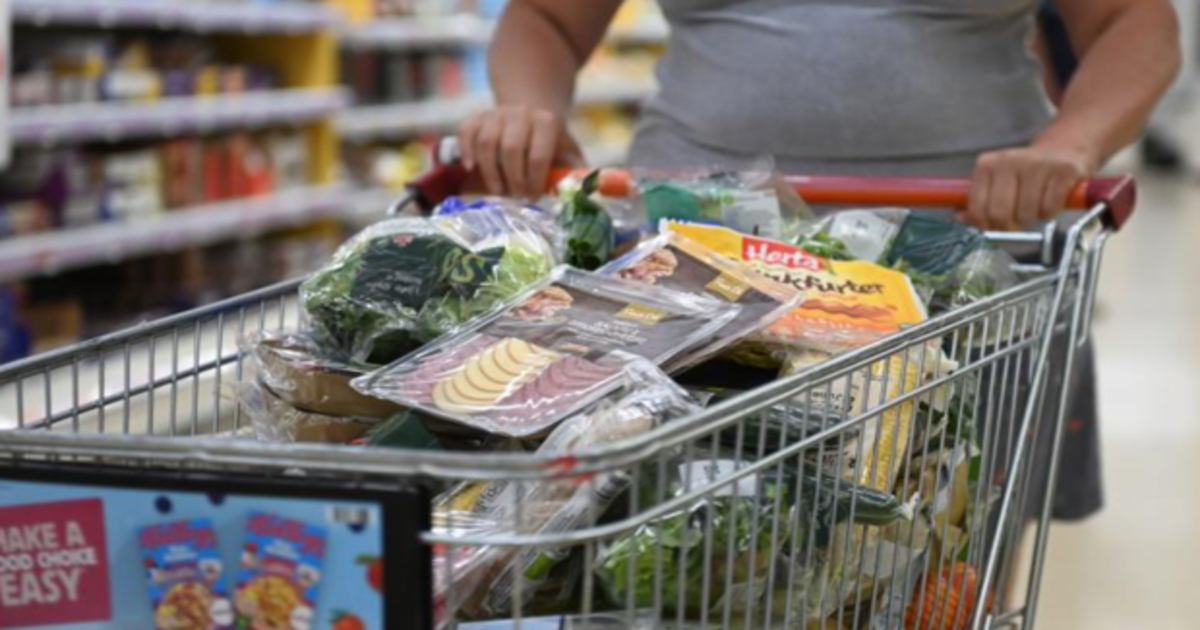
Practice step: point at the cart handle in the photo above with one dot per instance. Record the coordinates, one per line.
(1117, 194)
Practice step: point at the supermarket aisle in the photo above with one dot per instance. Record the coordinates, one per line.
(1133, 566)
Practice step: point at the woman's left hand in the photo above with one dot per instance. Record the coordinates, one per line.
(1013, 188)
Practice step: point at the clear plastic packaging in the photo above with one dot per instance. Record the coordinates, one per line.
(753, 201)
(853, 234)
(292, 365)
(737, 514)
(568, 504)
(675, 262)
(563, 345)
(274, 420)
(403, 282)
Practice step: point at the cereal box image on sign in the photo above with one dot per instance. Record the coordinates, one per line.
(279, 573)
(53, 564)
(186, 576)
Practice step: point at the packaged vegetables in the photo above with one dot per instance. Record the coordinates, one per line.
(565, 344)
(403, 282)
(950, 263)
(675, 262)
(556, 506)
(755, 201)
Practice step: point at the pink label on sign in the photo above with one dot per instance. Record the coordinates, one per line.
(53, 564)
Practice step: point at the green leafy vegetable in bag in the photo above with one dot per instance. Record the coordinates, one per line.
(590, 233)
(401, 283)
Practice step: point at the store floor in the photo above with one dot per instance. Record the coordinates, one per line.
(1133, 566)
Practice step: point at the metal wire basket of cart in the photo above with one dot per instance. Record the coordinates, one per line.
(888, 487)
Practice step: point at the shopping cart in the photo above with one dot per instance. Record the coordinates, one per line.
(706, 531)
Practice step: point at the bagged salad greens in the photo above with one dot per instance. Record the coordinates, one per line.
(951, 264)
(557, 506)
(696, 540)
(566, 343)
(675, 262)
(403, 282)
(847, 304)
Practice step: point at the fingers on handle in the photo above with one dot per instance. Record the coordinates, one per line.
(488, 153)
(1031, 200)
(514, 151)
(981, 189)
(542, 144)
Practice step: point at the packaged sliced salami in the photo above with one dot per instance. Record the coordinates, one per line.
(186, 576)
(675, 262)
(563, 345)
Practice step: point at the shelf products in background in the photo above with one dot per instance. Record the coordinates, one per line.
(67, 188)
(64, 68)
(188, 587)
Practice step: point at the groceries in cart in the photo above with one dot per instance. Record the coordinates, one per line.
(951, 264)
(640, 406)
(402, 282)
(463, 332)
(755, 201)
(567, 343)
(847, 304)
(673, 261)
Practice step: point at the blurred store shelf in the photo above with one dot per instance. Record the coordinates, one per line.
(89, 122)
(405, 119)
(174, 14)
(413, 33)
(417, 33)
(63, 250)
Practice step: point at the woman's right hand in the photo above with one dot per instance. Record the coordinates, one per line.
(513, 148)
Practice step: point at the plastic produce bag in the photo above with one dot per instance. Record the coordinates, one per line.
(567, 504)
(570, 341)
(402, 282)
(740, 518)
(754, 201)
(678, 263)
(853, 234)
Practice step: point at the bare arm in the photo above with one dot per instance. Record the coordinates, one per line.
(1129, 55)
(538, 49)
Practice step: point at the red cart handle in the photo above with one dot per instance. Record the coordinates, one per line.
(1117, 194)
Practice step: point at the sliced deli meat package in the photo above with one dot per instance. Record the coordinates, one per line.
(678, 263)
(847, 304)
(565, 344)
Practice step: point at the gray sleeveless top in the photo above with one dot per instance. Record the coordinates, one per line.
(903, 86)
